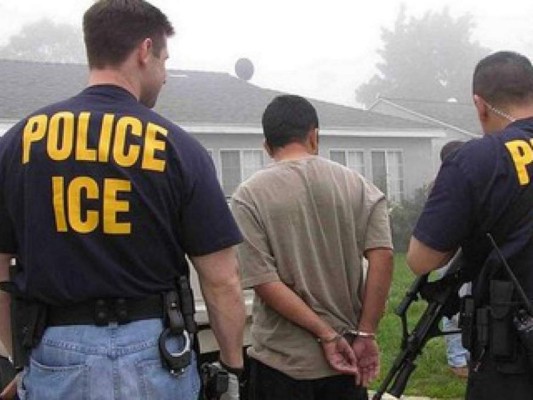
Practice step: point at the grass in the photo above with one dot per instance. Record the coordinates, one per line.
(432, 376)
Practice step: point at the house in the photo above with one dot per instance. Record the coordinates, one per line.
(224, 113)
(458, 120)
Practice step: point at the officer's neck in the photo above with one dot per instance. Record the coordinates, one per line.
(116, 77)
(501, 118)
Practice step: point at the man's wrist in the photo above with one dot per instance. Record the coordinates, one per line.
(329, 339)
(365, 335)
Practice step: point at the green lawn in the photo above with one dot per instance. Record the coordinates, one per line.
(432, 377)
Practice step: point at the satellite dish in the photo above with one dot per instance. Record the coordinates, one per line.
(244, 69)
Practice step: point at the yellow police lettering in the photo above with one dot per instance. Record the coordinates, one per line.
(83, 152)
(127, 140)
(60, 136)
(151, 145)
(522, 155)
(34, 130)
(113, 206)
(104, 144)
(126, 157)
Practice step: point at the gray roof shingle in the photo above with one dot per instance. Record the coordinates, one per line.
(188, 97)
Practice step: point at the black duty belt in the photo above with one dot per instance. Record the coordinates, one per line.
(104, 311)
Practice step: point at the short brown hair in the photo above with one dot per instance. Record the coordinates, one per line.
(113, 28)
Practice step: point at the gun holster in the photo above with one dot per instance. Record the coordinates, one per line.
(28, 323)
(503, 337)
(467, 322)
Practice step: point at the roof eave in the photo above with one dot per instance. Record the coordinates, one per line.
(423, 116)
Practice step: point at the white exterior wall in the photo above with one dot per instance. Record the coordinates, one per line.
(418, 153)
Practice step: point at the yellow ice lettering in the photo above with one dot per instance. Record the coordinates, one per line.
(113, 206)
(34, 130)
(81, 205)
(58, 198)
(77, 188)
(522, 155)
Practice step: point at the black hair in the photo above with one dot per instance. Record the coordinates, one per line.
(113, 28)
(450, 148)
(504, 78)
(288, 119)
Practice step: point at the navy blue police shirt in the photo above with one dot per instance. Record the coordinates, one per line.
(102, 197)
(474, 192)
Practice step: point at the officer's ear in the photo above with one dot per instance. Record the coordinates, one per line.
(482, 109)
(144, 51)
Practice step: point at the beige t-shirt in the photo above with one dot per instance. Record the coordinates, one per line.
(306, 223)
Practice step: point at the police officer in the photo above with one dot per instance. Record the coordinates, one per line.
(486, 188)
(101, 199)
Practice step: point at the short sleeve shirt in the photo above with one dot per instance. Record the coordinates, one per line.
(307, 223)
(474, 192)
(102, 197)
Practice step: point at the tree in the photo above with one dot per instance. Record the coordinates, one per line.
(429, 58)
(47, 41)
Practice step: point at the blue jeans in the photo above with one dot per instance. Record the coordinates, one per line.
(111, 362)
(456, 354)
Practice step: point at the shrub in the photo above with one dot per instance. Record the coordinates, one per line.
(403, 218)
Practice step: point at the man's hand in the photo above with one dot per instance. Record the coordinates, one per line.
(221, 288)
(340, 356)
(366, 351)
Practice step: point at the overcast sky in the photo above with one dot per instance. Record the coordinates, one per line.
(317, 48)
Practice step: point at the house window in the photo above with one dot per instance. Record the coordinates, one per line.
(387, 173)
(237, 166)
(353, 159)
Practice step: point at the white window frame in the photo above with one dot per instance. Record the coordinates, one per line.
(241, 166)
(352, 150)
(391, 197)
